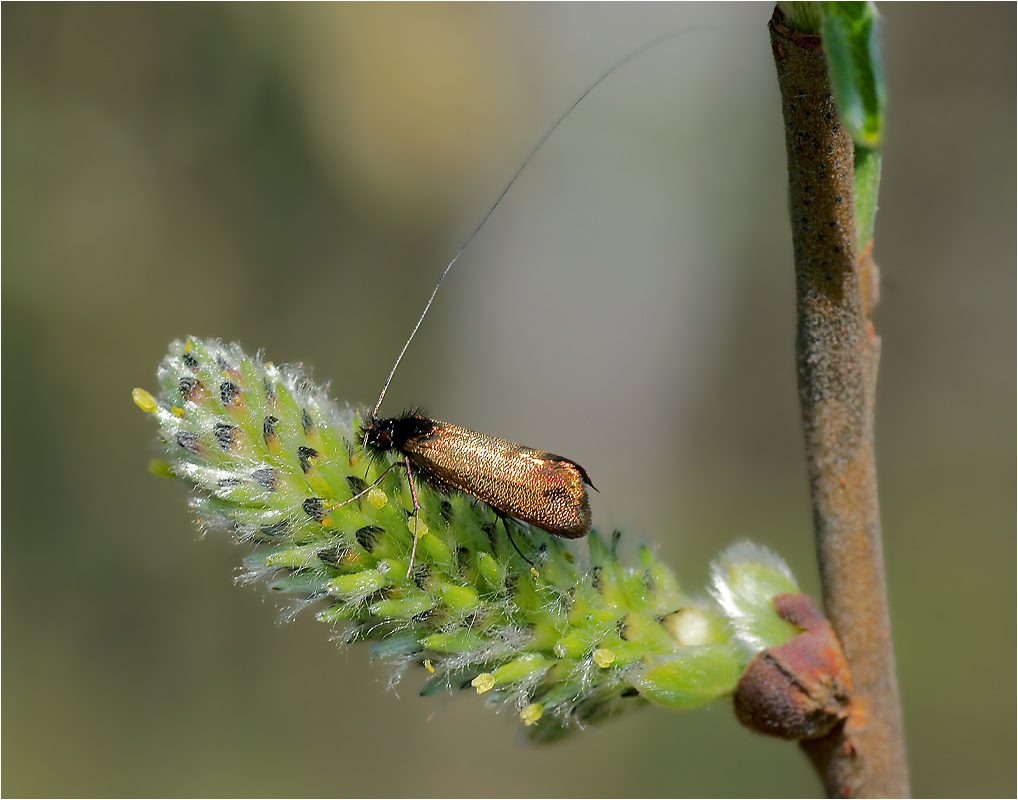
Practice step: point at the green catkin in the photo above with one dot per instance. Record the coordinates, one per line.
(574, 640)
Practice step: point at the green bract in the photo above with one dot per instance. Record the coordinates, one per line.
(850, 33)
(577, 638)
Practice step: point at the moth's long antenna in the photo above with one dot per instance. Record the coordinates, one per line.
(647, 46)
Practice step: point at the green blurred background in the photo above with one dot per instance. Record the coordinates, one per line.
(295, 177)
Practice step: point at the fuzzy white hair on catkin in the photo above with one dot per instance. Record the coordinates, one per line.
(741, 603)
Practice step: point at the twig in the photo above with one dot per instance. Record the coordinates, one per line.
(837, 357)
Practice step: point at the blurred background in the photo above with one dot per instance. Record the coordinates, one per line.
(295, 177)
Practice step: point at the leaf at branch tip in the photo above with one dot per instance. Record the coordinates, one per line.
(850, 32)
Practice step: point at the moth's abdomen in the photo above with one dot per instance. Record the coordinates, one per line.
(541, 488)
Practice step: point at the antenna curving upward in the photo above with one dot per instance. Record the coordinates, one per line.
(653, 43)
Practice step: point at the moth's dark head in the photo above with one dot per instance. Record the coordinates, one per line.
(393, 433)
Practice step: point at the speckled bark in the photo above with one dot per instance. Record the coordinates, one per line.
(837, 356)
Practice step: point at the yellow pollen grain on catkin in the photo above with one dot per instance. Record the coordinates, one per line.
(531, 714)
(145, 401)
(428, 666)
(421, 527)
(377, 497)
(604, 658)
(483, 682)
(177, 411)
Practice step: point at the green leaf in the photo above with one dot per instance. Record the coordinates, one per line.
(867, 185)
(850, 33)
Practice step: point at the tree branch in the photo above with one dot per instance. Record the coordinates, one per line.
(837, 357)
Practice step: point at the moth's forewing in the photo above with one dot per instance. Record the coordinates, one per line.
(534, 486)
